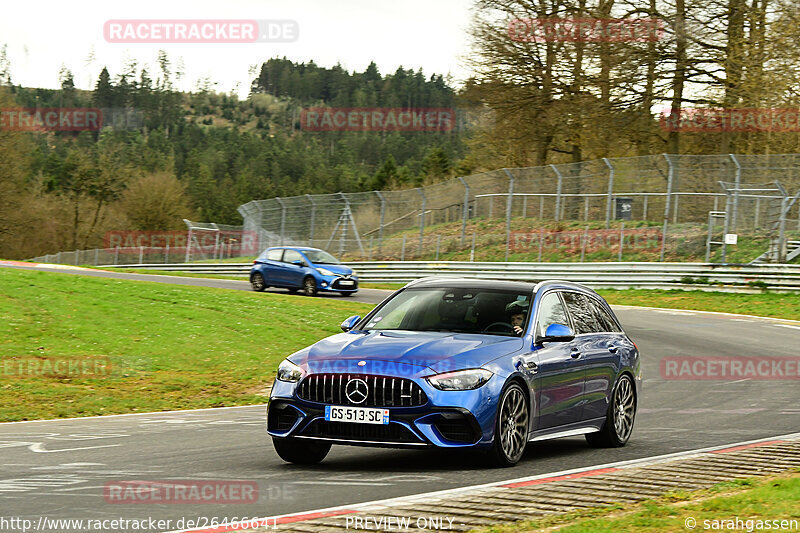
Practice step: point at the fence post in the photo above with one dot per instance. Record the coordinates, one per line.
(525, 206)
(541, 243)
(421, 221)
(403, 250)
(621, 241)
(558, 192)
(509, 205)
(644, 207)
(188, 243)
(438, 245)
(610, 191)
(116, 255)
(726, 226)
(757, 214)
(313, 214)
(380, 228)
(141, 254)
(166, 254)
(97, 256)
(465, 214)
(675, 211)
(283, 216)
(735, 207)
(583, 243)
(670, 176)
(472, 251)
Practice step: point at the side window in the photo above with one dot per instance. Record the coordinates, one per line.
(582, 312)
(603, 317)
(292, 255)
(275, 255)
(551, 311)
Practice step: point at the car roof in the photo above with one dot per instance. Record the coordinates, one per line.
(298, 248)
(513, 285)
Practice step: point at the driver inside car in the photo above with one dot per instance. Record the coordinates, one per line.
(516, 312)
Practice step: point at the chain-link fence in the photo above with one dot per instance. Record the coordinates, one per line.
(439, 219)
(647, 208)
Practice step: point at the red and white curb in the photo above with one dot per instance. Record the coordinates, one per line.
(576, 473)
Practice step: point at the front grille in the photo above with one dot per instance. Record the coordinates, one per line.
(389, 433)
(281, 417)
(336, 284)
(381, 391)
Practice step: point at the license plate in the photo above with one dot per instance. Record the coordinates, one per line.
(358, 415)
(346, 282)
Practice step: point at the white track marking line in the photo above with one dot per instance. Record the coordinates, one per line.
(185, 411)
(695, 311)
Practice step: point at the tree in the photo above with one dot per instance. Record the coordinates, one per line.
(156, 201)
(103, 95)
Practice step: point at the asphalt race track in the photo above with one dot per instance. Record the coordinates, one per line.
(58, 468)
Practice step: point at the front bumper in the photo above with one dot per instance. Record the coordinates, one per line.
(335, 283)
(447, 419)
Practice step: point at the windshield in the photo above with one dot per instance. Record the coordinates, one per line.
(320, 257)
(486, 311)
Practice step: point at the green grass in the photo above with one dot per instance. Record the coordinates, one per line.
(763, 304)
(170, 347)
(769, 499)
(686, 242)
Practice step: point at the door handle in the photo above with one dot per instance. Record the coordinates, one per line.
(575, 353)
(613, 349)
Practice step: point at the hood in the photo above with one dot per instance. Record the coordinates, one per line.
(438, 351)
(336, 269)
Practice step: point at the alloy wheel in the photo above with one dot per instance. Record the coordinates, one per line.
(513, 425)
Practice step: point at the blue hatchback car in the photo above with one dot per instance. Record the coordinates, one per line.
(302, 268)
(462, 363)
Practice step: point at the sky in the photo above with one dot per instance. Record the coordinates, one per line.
(43, 36)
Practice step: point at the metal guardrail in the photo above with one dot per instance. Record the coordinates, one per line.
(596, 275)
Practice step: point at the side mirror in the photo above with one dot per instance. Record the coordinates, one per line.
(299, 262)
(348, 324)
(557, 333)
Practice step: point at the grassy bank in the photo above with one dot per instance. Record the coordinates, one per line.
(715, 509)
(170, 347)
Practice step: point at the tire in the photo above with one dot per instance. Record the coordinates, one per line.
(310, 286)
(257, 282)
(301, 452)
(510, 428)
(620, 416)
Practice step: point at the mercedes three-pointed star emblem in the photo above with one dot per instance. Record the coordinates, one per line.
(356, 391)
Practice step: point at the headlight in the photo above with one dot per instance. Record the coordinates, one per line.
(325, 272)
(461, 379)
(288, 371)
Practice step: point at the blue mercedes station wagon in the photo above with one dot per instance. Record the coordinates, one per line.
(462, 363)
(302, 268)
